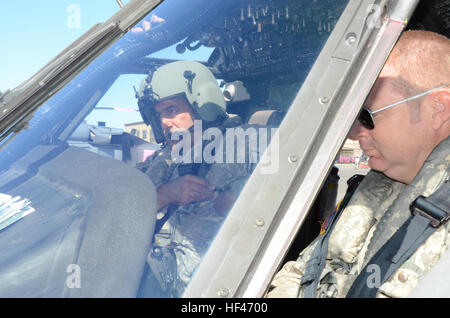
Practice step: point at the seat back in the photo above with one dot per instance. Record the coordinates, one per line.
(269, 117)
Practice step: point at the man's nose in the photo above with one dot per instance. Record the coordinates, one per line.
(357, 131)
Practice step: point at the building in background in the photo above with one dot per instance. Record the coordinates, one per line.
(350, 153)
(141, 130)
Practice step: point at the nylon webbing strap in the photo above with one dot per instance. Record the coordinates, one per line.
(317, 260)
(427, 215)
(314, 267)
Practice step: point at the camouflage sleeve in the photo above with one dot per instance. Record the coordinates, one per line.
(237, 162)
(286, 283)
(406, 278)
(157, 167)
(237, 185)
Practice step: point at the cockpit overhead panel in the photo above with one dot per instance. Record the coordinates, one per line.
(256, 38)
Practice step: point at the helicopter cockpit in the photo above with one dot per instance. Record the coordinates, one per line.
(78, 218)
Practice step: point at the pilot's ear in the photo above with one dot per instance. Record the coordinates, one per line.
(440, 108)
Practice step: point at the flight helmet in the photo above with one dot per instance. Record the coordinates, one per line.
(188, 79)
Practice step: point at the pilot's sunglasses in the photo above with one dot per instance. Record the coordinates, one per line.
(366, 119)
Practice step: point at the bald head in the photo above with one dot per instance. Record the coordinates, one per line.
(420, 60)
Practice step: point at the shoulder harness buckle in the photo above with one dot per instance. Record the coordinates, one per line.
(427, 209)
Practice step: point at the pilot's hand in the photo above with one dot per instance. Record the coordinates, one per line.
(184, 190)
(224, 202)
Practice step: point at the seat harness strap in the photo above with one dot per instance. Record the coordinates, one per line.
(427, 215)
(317, 261)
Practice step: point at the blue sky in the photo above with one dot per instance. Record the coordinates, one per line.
(33, 32)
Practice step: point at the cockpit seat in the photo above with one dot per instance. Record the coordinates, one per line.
(269, 118)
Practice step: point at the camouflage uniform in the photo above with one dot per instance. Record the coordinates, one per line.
(375, 212)
(183, 240)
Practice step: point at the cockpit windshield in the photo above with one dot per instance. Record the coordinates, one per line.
(181, 109)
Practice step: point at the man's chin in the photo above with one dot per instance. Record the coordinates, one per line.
(377, 164)
(382, 166)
